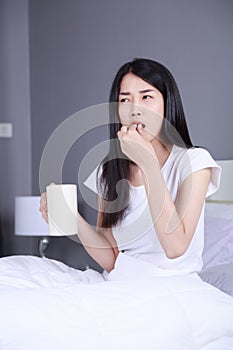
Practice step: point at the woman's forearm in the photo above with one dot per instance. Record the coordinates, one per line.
(175, 222)
(96, 245)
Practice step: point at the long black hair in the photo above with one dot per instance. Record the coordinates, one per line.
(116, 166)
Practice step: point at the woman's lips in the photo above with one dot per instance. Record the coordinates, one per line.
(137, 124)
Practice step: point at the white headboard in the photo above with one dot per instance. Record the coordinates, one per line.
(225, 191)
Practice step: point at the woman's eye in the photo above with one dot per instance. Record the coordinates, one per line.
(147, 97)
(124, 100)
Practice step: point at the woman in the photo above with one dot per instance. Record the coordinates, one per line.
(157, 215)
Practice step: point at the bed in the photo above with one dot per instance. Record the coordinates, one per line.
(218, 249)
(46, 304)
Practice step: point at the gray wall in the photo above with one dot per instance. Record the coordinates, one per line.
(75, 48)
(15, 153)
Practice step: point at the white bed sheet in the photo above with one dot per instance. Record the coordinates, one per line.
(46, 304)
(218, 248)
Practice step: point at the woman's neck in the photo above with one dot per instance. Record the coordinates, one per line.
(162, 152)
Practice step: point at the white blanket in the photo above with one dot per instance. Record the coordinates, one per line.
(45, 304)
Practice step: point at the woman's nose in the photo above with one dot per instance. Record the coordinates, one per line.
(136, 113)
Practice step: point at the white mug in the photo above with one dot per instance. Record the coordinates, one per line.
(62, 209)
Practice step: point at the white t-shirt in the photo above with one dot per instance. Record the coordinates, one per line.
(136, 235)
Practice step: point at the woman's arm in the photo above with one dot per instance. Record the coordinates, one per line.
(99, 242)
(175, 223)
(95, 241)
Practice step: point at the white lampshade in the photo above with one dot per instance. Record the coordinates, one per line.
(28, 219)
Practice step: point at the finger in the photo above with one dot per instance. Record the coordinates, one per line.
(45, 216)
(43, 202)
(140, 128)
(119, 134)
(43, 199)
(133, 127)
(124, 129)
(44, 212)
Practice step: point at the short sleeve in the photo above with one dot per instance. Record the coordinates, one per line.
(196, 159)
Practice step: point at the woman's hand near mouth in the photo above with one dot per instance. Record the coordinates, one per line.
(134, 143)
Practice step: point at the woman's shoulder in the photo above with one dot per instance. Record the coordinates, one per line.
(192, 155)
(199, 152)
(193, 159)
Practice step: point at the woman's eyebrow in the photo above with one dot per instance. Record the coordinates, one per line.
(124, 93)
(147, 90)
(141, 92)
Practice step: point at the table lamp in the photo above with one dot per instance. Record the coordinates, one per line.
(29, 221)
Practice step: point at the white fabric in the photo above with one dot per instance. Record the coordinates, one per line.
(218, 246)
(139, 239)
(220, 276)
(47, 305)
(136, 235)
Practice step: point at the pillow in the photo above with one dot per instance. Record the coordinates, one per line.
(218, 244)
(220, 276)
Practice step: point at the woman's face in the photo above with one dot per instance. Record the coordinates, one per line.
(140, 102)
